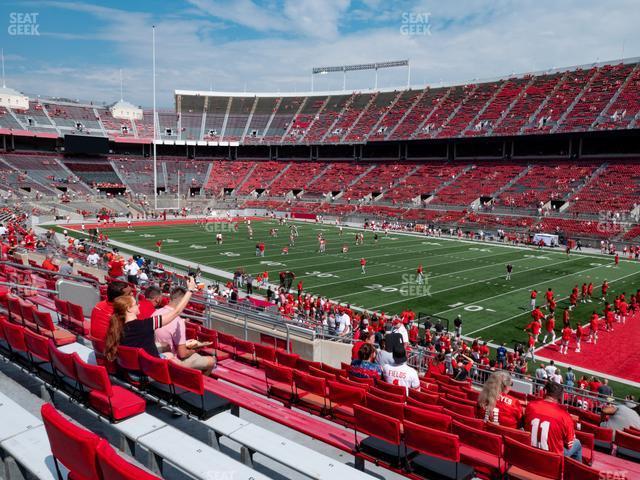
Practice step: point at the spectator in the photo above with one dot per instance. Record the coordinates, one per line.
(125, 329)
(605, 389)
(399, 373)
(551, 425)
(619, 417)
(384, 355)
(151, 300)
(463, 369)
(364, 366)
(172, 338)
(132, 269)
(48, 263)
(343, 323)
(67, 268)
(93, 258)
(101, 313)
(398, 327)
(551, 369)
(116, 267)
(541, 373)
(365, 337)
(496, 403)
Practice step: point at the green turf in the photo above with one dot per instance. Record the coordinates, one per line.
(466, 278)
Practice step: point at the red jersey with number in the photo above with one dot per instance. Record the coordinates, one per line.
(550, 425)
(507, 412)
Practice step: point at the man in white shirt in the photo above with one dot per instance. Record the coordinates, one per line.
(93, 258)
(3, 230)
(131, 270)
(399, 373)
(343, 323)
(551, 369)
(398, 327)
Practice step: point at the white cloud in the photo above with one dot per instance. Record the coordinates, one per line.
(472, 40)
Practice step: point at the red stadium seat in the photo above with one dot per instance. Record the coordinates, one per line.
(425, 406)
(480, 449)
(47, 328)
(435, 420)
(424, 397)
(279, 380)
(310, 391)
(627, 445)
(113, 467)
(287, 359)
(574, 470)
(389, 387)
(244, 351)
(188, 387)
(72, 446)
(342, 399)
(523, 461)
(113, 401)
(316, 372)
(386, 395)
(156, 371)
(384, 440)
(303, 365)
(354, 381)
(434, 453)
(385, 407)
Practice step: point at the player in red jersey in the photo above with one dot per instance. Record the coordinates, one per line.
(565, 318)
(551, 425)
(420, 275)
(583, 293)
(496, 403)
(593, 325)
(566, 336)
(573, 300)
(623, 308)
(604, 288)
(549, 328)
(609, 318)
(549, 295)
(363, 265)
(590, 292)
(580, 334)
(531, 348)
(159, 246)
(534, 295)
(617, 259)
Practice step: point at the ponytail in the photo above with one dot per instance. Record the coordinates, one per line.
(116, 326)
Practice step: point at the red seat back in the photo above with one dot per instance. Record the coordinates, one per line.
(128, 358)
(287, 359)
(506, 432)
(425, 406)
(368, 381)
(627, 440)
(15, 310)
(394, 389)
(329, 369)
(188, 379)
(303, 365)
(386, 407)
(471, 421)
(154, 367)
(243, 347)
(37, 345)
(346, 395)
(387, 395)
(532, 460)
(376, 424)
(431, 441)
(278, 373)
(43, 321)
(113, 467)
(423, 396)
(486, 441)
(14, 334)
(437, 421)
(71, 445)
(316, 372)
(466, 410)
(93, 377)
(62, 307)
(309, 383)
(63, 363)
(265, 352)
(574, 470)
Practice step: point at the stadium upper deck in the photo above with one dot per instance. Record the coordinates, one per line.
(578, 99)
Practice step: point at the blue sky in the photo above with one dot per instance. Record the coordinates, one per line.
(271, 45)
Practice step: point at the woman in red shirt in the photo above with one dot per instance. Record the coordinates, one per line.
(497, 405)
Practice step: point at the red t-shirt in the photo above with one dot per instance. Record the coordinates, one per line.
(100, 318)
(507, 412)
(147, 309)
(550, 425)
(115, 269)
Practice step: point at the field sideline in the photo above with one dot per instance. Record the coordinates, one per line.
(466, 278)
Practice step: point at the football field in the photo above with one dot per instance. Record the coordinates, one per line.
(461, 277)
